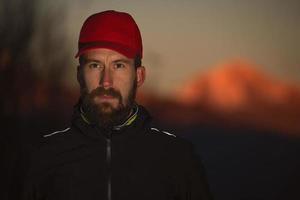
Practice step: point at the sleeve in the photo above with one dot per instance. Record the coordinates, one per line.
(194, 185)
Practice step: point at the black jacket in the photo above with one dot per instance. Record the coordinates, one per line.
(136, 162)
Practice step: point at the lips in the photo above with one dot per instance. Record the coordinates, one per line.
(105, 96)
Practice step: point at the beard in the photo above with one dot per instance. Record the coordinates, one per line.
(105, 114)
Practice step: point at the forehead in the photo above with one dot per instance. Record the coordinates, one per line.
(103, 54)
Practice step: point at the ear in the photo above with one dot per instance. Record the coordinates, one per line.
(140, 75)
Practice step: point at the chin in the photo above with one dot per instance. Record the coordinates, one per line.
(106, 107)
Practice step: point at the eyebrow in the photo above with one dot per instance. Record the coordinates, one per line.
(92, 60)
(122, 60)
(115, 61)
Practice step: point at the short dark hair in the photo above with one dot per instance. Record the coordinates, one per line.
(137, 61)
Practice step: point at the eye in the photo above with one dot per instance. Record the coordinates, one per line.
(119, 65)
(94, 65)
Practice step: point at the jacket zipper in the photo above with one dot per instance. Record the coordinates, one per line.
(108, 157)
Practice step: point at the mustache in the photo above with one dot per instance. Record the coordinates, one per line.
(102, 91)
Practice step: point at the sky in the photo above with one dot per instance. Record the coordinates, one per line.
(184, 38)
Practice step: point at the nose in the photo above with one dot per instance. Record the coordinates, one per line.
(106, 79)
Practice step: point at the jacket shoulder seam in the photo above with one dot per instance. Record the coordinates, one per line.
(56, 132)
(160, 131)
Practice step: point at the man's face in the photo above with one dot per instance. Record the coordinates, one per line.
(110, 82)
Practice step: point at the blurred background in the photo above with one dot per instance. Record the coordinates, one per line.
(223, 74)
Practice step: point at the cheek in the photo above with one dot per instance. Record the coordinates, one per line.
(125, 85)
(91, 81)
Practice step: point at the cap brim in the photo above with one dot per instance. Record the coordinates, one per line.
(107, 45)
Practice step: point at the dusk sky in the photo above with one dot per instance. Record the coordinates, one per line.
(182, 38)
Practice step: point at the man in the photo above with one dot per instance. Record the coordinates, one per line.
(112, 150)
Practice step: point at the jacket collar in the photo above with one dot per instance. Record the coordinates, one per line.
(137, 120)
(128, 121)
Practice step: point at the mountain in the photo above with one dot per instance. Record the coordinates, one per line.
(233, 94)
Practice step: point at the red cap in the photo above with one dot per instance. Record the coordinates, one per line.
(112, 30)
